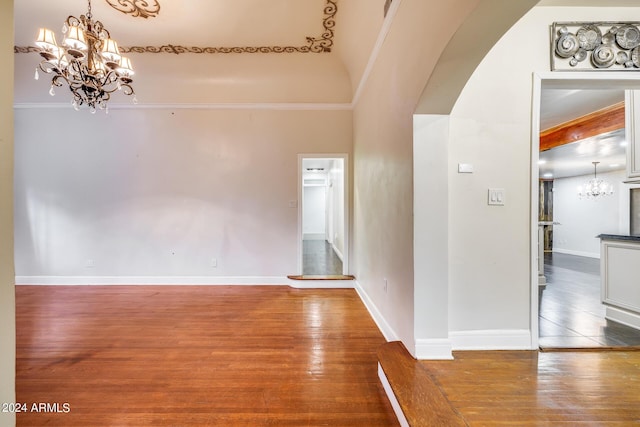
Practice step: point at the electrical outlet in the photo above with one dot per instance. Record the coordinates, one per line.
(214, 262)
(90, 263)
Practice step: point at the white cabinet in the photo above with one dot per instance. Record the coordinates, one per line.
(632, 125)
(620, 278)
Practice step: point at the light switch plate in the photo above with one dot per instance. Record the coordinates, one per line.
(496, 196)
(465, 168)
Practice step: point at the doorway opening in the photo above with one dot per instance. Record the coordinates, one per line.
(566, 307)
(323, 228)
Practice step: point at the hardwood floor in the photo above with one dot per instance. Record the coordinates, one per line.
(319, 258)
(527, 388)
(571, 314)
(516, 388)
(197, 356)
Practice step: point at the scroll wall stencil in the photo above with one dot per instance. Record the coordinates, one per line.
(136, 8)
(322, 43)
(595, 46)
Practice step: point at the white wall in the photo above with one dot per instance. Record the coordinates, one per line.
(583, 219)
(161, 192)
(490, 127)
(383, 158)
(7, 289)
(314, 213)
(431, 239)
(336, 178)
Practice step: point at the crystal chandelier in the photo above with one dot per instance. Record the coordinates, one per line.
(88, 61)
(595, 188)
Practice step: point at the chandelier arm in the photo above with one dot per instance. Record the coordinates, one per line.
(47, 67)
(127, 89)
(55, 81)
(109, 83)
(72, 21)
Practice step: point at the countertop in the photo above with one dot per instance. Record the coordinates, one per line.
(619, 237)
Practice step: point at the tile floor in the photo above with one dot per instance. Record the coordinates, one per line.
(571, 314)
(318, 258)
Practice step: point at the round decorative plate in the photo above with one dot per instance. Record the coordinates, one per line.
(567, 45)
(622, 58)
(635, 56)
(628, 37)
(608, 38)
(589, 37)
(603, 56)
(580, 55)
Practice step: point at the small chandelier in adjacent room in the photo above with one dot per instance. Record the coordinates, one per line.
(595, 188)
(88, 61)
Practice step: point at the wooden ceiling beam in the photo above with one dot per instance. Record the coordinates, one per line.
(602, 121)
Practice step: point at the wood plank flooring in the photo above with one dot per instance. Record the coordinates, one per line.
(422, 401)
(528, 388)
(198, 356)
(571, 314)
(516, 388)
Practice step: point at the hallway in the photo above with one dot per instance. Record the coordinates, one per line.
(571, 314)
(319, 258)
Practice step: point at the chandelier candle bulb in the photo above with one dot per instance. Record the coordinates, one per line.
(88, 61)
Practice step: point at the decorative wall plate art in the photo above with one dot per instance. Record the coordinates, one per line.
(593, 46)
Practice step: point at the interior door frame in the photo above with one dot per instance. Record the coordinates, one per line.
(347, 212)
(559, 80)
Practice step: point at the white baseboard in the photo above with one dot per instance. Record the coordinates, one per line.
(493, 339)
(392, 397)
(623, 316)
(578, 253)
(183, 280)
(387, 331)
(337, 252)
(434, 349)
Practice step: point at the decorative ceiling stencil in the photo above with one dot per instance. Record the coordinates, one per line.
(136, 8)
(320, 44)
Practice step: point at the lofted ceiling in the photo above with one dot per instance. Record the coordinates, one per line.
(213, 23)
(258, 51)
(213, 51)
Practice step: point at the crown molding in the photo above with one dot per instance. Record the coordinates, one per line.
(212, 106)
